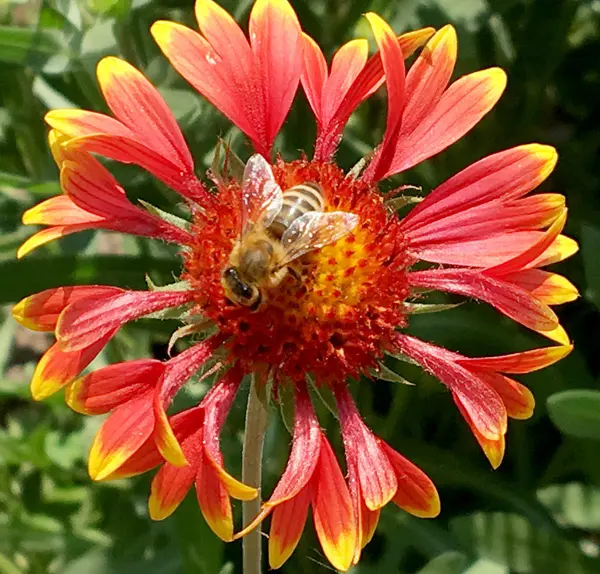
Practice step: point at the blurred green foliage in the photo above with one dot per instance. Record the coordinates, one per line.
(540, 513)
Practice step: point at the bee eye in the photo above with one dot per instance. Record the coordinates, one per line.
(245, 292)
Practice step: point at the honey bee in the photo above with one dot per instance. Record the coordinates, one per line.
(276, 228)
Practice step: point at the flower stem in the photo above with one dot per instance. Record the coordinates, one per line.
(254, 436)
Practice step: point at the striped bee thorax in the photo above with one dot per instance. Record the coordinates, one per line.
(297, 201)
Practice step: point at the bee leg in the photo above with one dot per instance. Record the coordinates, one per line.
(278, 276)
(294, 273)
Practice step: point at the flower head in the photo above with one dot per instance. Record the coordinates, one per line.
(295, 270)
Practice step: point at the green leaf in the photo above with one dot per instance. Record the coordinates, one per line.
(28, 46)
(8, 567)
(573, 504)
(510, 540)
(447, 563)
(576, 412)
(201, 550)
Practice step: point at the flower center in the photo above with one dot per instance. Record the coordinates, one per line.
(331, 314)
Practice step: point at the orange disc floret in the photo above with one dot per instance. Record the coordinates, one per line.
(336, 318)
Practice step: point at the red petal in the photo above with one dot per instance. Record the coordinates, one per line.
(105, 389)
(96, 192)
(253, 87)
(128, 150)
(84, 322)
(172, 483)
(304, 454)
(493, 448)
(368, 525)
(277, 44)
(509, 299)
(332, 510)
(517, 399)
(46, 235)
(509, 174)
(479, 402)
(59, 210)
(177, 372)
(459, 109)
(532, 253)
(416, 492)
(314, 76)
(489, 251)
(302, 461)
(549, 288)
(142, 460)
(562, 248)
(519, 363)
(40, 312)
(287, 525)
(137, 103)
(210, 73)
(489, 219)
(428, 78)
(217, 404)
(58, 367)
(77, 123)
(366, 83)
(346, 65)
(184, 424)
(377, 479)
(170, 486)
(214, 501)
(393, 65)
(120, 436)
(366, 520)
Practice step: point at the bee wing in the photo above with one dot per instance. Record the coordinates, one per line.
(262, 198)
(314, 230)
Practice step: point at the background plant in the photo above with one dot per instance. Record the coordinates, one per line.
(539, 513)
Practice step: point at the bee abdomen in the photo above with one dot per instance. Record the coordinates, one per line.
(297, 201)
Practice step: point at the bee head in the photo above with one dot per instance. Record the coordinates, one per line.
(239, 291)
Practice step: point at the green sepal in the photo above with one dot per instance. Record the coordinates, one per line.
(359, 166)
(226, 164)
(177, 286)
(286, 404)
(166, 216)
(325, 395)
(386, 374)
(422, 308)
